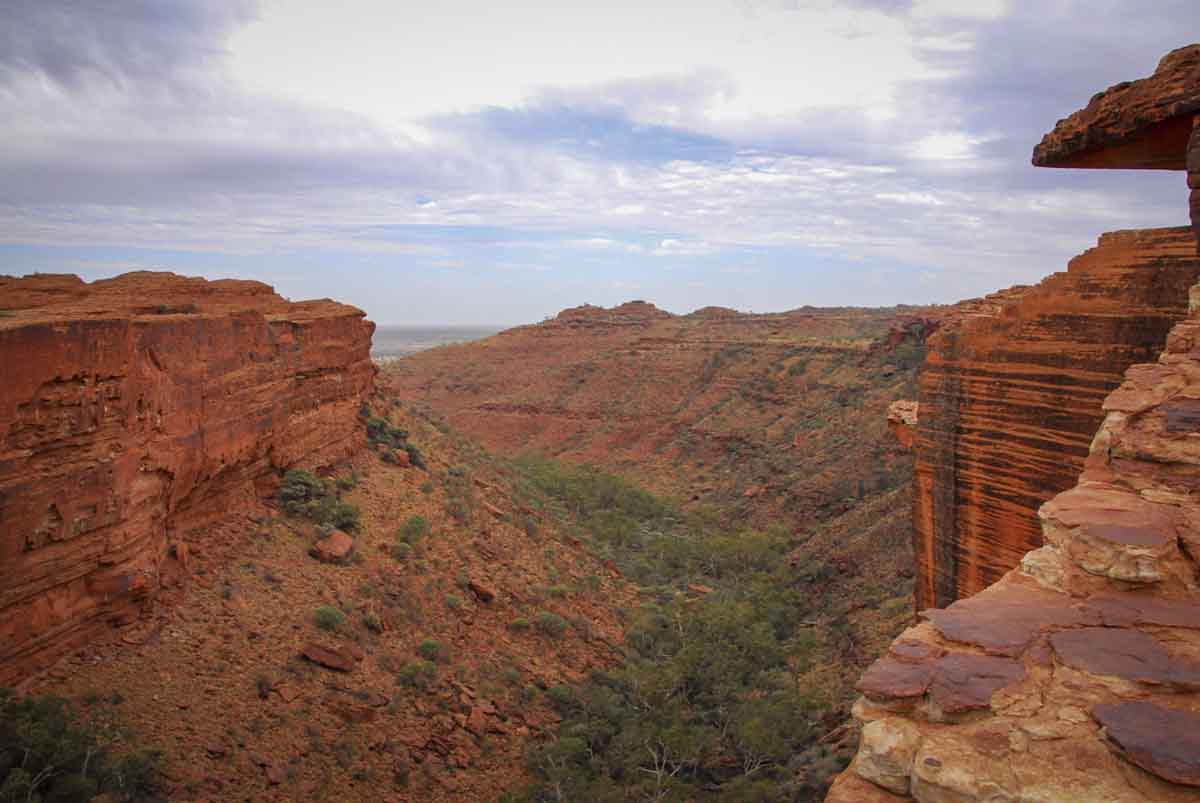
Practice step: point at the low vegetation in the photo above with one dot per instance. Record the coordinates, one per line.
(318, 500)
(712, 702)
(53, 753)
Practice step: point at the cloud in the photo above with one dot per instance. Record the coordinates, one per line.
(71, 42)
(126, 128)
(671, 247)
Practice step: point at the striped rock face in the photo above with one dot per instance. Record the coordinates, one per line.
(1080, 668)
(136, 415)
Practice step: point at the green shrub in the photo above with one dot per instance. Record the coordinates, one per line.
(551, 624)
(401, 551)
(372, 622)
(328, 617)
(453, 602)
(414, 456)
(520, 624)
(416, 674)
(304, 494)
(51, 753)
(413, 530)
(429, 649)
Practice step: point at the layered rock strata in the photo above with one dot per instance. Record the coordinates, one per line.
(134, 414)
(1077, 675)
(1010, 398)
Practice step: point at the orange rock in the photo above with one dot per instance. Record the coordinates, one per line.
(482, 592)
(339, 659)
(333, 548)
(181, 400)
(1011, 393)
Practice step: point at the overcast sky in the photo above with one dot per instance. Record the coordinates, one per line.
(492, 163)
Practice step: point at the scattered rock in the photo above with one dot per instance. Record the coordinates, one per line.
(334, 548)
(338, 659)
(482, 592)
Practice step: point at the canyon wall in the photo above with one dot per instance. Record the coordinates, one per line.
(1076, 676)
(1010, 398)
(136, 413)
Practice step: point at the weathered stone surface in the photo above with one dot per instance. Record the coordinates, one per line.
(902, 421)
(1160, 740)
(333, 548)
(137, 412)
(1111, 532)
(330, 658)
(885, 754)
(963, 682)
(1010, 399)
(892, 679)
(1142, 124)
(850, 788)
(1125, 653)
(1005, 619)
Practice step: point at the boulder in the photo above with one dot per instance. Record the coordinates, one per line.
(333, 548)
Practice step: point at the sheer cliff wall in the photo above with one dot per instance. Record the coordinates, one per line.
(134, 414)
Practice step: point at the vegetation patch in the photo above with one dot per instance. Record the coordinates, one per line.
(53, 753)
(712, 702)
(306, 495)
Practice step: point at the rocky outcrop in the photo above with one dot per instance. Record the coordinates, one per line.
(1142, 124)
(1010, 396)
(902, 422)
(1077, 675)
(137, 412)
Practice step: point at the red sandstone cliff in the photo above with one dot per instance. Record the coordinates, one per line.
(134, 413)
(1077, 675)
(1010, 398)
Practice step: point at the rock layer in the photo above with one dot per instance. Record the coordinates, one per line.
(1104, 619)
(137, 411)
(1010, 398)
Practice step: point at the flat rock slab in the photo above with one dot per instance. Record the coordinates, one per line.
(1128, 609)
(1124, 653)
(889, 678)
(964, 682)
(340, 660)
(1005, 619)
(956, 683)
(1162, 741)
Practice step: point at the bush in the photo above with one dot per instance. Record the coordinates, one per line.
(414, 529)
(304, 494)
(401, 552)
(429, 649)
(49, 752)
(328, 617)
(551, 624)
(416, 674)
(414, 456)
(520, 624)
(372, 622)
(453, 602)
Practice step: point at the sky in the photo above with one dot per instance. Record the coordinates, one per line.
(463, 162)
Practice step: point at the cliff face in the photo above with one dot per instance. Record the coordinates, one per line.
(1010, 398)
(137, 412)
(1077, 675)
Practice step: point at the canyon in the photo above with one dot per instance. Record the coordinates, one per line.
(1074, 676)
(136, 415)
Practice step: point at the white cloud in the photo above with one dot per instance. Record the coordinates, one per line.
(680, 248)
